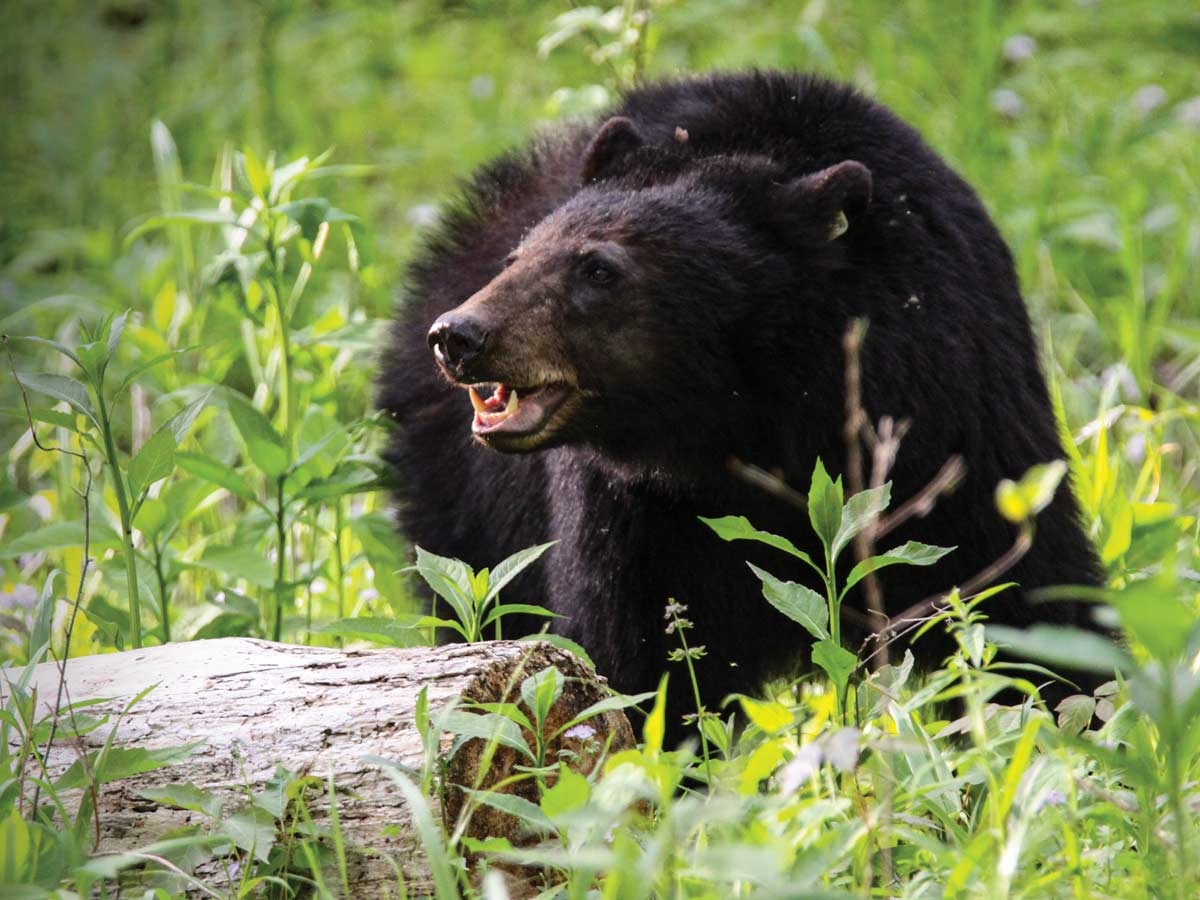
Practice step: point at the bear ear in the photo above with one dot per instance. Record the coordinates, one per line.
(616, 138)
(824, 205)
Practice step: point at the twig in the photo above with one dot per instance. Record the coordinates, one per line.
(884, 452)
(764, 480)
(919, 613)
(922, 503)
(884, 445)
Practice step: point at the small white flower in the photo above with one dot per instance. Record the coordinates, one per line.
(1149, 98)
(580, 732)
(1019, 48)
(1007, 103)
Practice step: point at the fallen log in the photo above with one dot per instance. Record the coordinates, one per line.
(253, 706)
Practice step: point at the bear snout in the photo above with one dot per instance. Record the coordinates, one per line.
(456, 341)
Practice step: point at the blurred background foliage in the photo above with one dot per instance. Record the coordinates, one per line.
(1078, 122)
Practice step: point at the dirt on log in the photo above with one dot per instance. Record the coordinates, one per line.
(254, 705)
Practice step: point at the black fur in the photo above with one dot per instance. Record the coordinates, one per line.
(724, 338)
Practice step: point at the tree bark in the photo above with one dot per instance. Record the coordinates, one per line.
(255, 705)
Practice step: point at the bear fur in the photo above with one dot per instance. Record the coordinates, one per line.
(669, 288)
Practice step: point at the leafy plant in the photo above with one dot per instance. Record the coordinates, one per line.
(835, 521)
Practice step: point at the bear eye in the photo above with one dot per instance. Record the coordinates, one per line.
(598, 272)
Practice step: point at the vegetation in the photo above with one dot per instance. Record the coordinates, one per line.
(207, 212)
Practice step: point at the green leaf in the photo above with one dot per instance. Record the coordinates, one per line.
(510, 568)
(251, 830)
(515, 806)
(263, 443)
(797, 602)
(115, 330)
(541, 691)
(837, 661)
(430, 835)
(569, 792)
(181, 423)
(825, 505)
(246, 562)
(60, 387)
(396, 632)
(156, 460)
(860, 511)
(311, 213)
(115, 763)
(1020, 501)
(1058, 645)
(189, 217)
(41, 631)
(54, 417)
(256, 173)
(59, 536)
(487, 726)
(141, 368)
(770, 716)
(60, 347)
(1075, 713)
(655, 729)
(450, 579)
(738, 528)
(912, 554)
(215, 472)
(347, 480)
(184, 796)
(528, 609)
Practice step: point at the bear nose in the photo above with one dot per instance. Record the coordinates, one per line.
(456, 340)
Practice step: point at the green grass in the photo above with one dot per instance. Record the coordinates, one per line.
(229, 422)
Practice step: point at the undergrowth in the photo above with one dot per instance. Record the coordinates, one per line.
(190, 450)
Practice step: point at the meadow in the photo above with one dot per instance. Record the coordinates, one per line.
(207, 213)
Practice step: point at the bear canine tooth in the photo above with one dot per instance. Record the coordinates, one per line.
(477, 401)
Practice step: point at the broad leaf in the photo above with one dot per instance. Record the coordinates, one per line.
(263, 443)
(1058, 645)
(60, 536)
(569, 792)
(216, 472)
(181, 423)
(912, 554)
(60, 387)
(797, 602)
(738, 528)
(115, 763)
(244, 562)
(156, 460)
(860, 511)
(510, 568)
(837, 661)
(825, 505)
(450, 579)
(486, 727)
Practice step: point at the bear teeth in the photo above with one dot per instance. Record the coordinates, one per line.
(489, 419)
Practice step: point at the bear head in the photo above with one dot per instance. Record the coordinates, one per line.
(643, 312)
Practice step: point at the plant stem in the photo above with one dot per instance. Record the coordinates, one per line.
(164, 609)
(280, 561)
(110, 450)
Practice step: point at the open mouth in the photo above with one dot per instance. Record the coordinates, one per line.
(515, 412)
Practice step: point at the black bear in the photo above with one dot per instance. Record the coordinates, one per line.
(617, 310)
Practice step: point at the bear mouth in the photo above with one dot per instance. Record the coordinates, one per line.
(510, 413)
